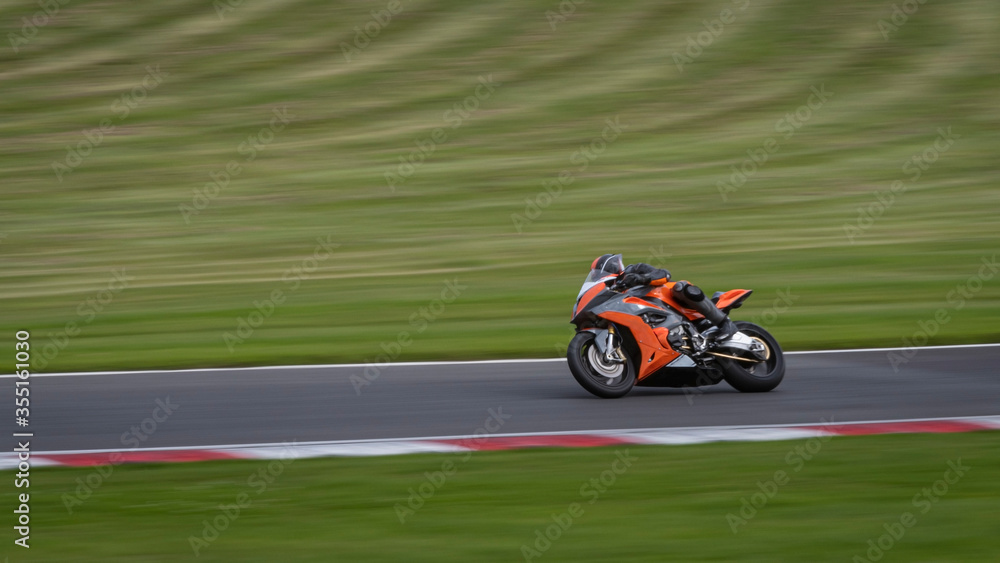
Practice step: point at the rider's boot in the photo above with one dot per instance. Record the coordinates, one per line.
(692, 296)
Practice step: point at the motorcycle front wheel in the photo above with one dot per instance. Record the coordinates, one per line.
(604, 379)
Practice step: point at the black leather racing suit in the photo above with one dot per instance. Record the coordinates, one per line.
(687, 293)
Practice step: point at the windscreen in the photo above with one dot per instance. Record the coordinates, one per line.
(604, 268)
(608, 265)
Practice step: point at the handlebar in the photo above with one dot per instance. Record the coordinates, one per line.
(615, 284)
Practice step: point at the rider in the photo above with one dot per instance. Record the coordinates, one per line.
(685, 292)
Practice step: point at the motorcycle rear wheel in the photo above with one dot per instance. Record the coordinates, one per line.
(608, 381)
(755, 376)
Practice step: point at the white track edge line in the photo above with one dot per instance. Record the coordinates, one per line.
(454, 363)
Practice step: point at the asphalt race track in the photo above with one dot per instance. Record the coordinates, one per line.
(282, 404)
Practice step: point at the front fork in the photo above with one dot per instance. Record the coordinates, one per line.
(610, 349)
(609, 345)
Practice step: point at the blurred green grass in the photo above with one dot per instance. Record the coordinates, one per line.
(670, 504)
(652, 194)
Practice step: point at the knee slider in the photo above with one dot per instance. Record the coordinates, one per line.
(689, 291)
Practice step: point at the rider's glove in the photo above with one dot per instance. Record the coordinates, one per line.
(632, 280)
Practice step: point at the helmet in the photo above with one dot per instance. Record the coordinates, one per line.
(610, 264)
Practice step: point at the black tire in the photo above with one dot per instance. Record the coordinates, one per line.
(591, 379)
(755, 377)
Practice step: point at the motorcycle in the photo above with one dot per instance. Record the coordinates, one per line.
(646, 336)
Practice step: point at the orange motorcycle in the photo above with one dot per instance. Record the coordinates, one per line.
(659, 336)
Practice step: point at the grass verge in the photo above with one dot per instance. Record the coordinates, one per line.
(209, 202)
(665, 503)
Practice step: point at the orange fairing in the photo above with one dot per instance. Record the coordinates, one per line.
(586, 297)
(640, 302)
(733, 297)
(662, 334)
(665, 293)
(652, 354)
